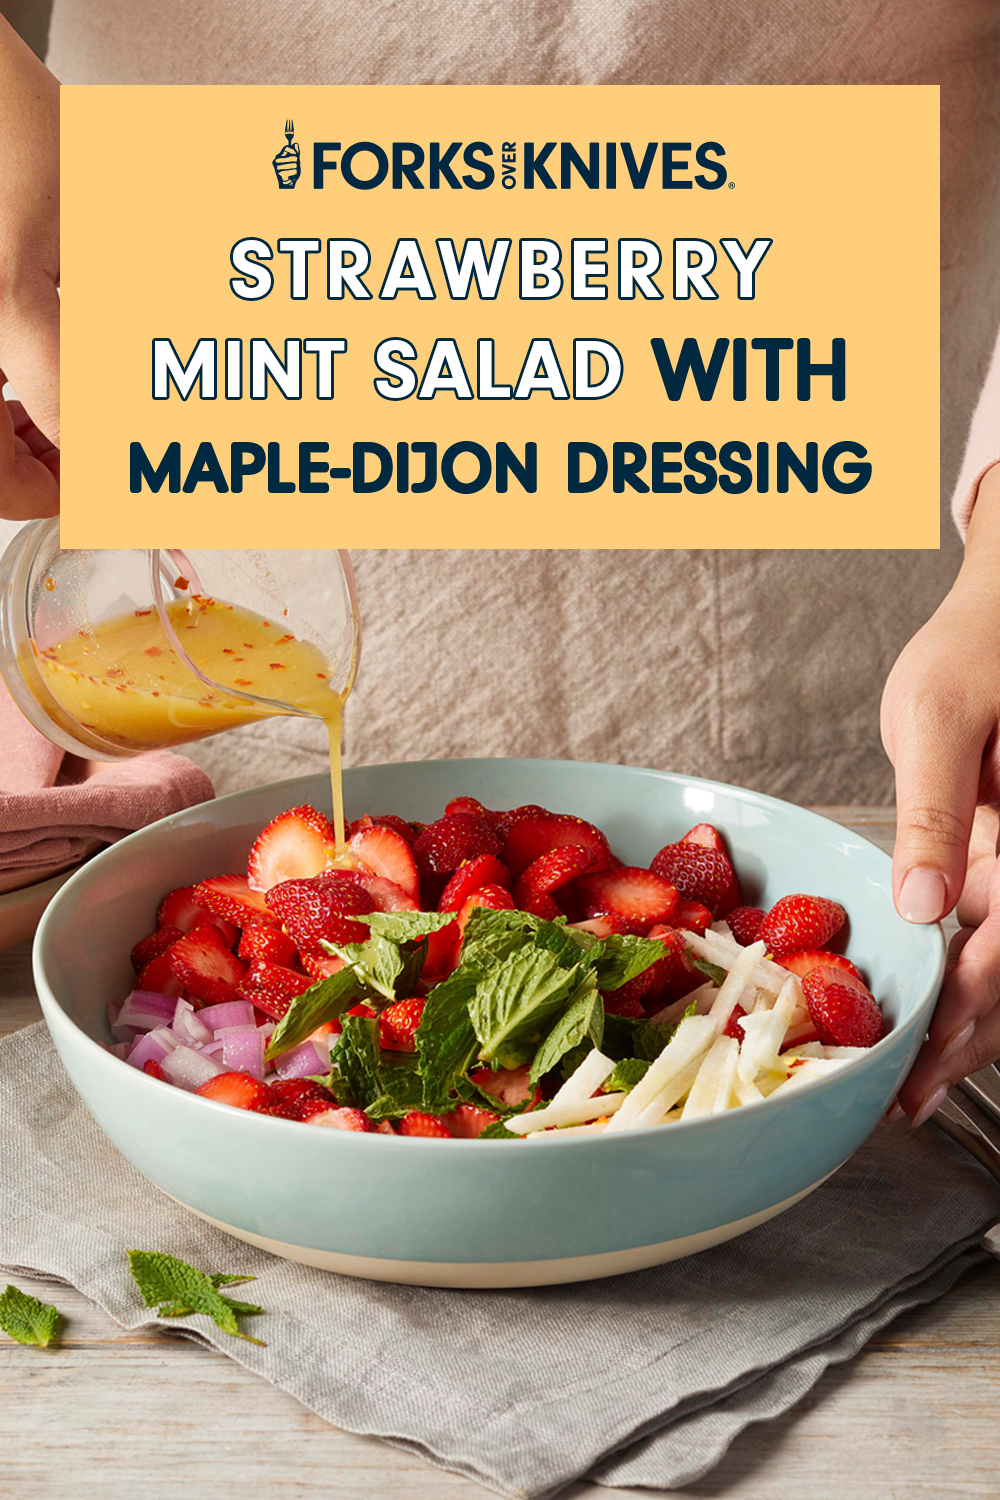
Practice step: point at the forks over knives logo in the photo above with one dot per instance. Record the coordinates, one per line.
(288, 163)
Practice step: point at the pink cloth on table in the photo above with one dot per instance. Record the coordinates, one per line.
(54, 808)
(982, 450)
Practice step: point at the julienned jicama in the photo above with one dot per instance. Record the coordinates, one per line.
(553, 991)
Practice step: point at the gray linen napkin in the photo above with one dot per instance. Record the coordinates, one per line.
(637, 1380)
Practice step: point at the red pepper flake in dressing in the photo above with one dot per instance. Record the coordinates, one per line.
(227, 650)
(283, 639)
(276, 666)
(141, 612)
(244, 682)
(181, 583)
(153, 651)
(321, 676)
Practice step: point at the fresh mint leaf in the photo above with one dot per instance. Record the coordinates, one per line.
(177, 1290)
(355, 1073)
(625, 1075)
(623, 957)
(498, 1132)
(321, 1002)
(583, 1019)
(713, 971)
(402, 1090)
(650, 1037)
(406, 926)
(376, 964)
(446, 1039)
(516, 1000)
(26, 1320)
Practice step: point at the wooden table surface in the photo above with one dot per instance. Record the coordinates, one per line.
(136, 1416)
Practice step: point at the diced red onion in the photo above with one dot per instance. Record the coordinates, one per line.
(228, 1013)
(144, 1010)
(189, 1069)
(213, 1049)
(145, 1048)
(243, 1052)
(121, 1050)
(113, 1008)
(301, 1062)
(124, 1033)
(188, 1025)
(165, 1038)
(225, 1031)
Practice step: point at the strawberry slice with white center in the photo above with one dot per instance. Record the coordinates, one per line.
(185, 909)
(511, 1086)
(315, 1112)
(205, 966)
(843, 1010)
(294, 845)
(387, 853)
(238, 1090)
(386, 894)
(549, 873)
(535, 834)
(638, 897)
(802, 963)
(471, 876)
(705, 835)
(230, 896)
(467, 1122)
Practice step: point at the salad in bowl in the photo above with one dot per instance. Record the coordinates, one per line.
(493, 974)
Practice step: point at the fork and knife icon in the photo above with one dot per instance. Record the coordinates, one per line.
(288, 162)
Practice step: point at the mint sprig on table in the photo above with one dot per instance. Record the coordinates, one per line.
(526, 991)
(27, 1320)
(176, 1290)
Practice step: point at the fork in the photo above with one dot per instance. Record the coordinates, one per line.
(984, 1088)
(289, 130)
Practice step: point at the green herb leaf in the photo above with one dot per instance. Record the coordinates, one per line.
(584, 1018)
(446, 1039)
(402, 1090)
(319, 1003)
(177, 1290)
(355, 1074)
(406, 926)
(27, 1320)
(376, 964)
(498, 1132)
(515, 1002)
(714, 973)
(622, 957)
(625, 1075)
(650, 1037)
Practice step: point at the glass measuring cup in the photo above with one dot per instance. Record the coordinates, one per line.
(110, 653)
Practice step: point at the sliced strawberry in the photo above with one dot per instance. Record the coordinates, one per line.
(445, 845)
(705, 835)
(417, 1123)
(744, 924)
(733, 1027)
(472, 876)
(386, 894)
(506, 820)
(443, 949)
(230, 896)
(681, 976)
(536, 886)
(205, 966)
(617, 1004)
(294, 845)
(151, 947)
(700, 874)
(845, 1015)
(467, 1122)
(238, 1090)
(152, 1067)
(397, 1025)
(315, 1112)
(535, 834)
(802, 963)
(387, 853)
(185, 909)
(639, 898)
(602, 926)
(692, 916)
(321, 965)
(159, 977)
(511, 1086)
(474, 806)
(266, 942)
(365, 1011)
(494, 897)
(398, 825)
(288, 1098)
(321, 907)
(800, 923)
(271, 987)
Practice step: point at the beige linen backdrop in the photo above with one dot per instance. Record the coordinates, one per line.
(758, 667)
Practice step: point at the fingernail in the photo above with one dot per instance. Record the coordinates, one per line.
(933, 1101)
(957, 1040)
(897, 1112)
(922, 896)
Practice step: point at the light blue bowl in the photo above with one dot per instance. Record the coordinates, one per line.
(486, 1213)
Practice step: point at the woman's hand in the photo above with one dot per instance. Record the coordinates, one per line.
(941, 730)
(29, 277)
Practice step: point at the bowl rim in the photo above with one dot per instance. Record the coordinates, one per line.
(811, 1088)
